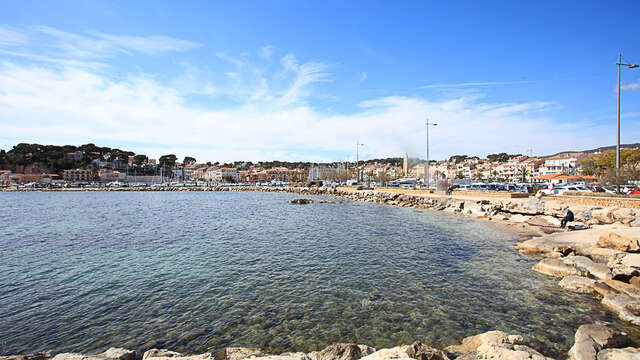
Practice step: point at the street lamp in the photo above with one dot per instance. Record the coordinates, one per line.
(427, 173)
(620, 65)
(358, 144)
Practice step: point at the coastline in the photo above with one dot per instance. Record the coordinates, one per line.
(529, 218)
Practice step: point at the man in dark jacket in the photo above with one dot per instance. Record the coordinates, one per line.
(567, 218)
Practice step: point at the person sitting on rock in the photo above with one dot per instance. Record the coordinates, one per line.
(567, 218)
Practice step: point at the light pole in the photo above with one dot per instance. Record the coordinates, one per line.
(358, 160)
(427, 173)
(630, 66)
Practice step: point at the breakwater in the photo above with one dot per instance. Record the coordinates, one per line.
(539, 212)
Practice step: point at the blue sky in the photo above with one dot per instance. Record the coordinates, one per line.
(302, 80)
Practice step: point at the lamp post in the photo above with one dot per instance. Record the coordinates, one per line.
(358, 160)
(427, 173)
(620, 65)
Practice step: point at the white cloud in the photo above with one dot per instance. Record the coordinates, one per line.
(632, 86)
(49, 105)
(11, 37)
(47, 44)
(472, 84)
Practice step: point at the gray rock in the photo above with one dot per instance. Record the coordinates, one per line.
(577, 283)
(110, 354)
(239, 353)
(583, 263)
(163, 354)
(627, 307)
(423, 352)
(342, 352)
(556, 267)
(619, 354)
(591, 338)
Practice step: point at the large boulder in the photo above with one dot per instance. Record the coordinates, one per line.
(627, 307)
(342, 352)
(611, 240)
(624, 215)
(577, 283)
(494, 345)
(591, 338)
(239, 353)
(163, 354)
(556, 267)
(423, 352)
(619, 354)
(598, 270)
(603, 215)
(110, 354)
(625, 264)
(398, 352)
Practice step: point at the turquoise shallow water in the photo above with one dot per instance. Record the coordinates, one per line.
(196, 271)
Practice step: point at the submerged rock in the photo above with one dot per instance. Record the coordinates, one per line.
(577, 283)
(110, 354)
(555, 267)
(627, 307)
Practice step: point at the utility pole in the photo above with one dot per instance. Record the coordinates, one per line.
(630, 66)
(427, 173)
(358, 160)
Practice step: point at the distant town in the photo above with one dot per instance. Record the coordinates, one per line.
(49, 165)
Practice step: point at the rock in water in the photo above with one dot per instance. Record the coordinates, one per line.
(301, 201)
(627, 307)
(555, 267)
(494, 345)
(591, 338)
(110, 354)
(577, 283)
(162, 354)
(619, 354)
(342, 352)
(423, 352)
(611, 240)
(239, 353)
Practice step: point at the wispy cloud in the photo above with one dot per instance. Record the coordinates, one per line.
(11, 37)
(473, 84)
(632, 86)
(48, 44)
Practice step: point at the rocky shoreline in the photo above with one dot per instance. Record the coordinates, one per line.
(603, 259)
(592, 342)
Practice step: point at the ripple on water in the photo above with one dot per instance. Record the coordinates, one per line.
(194, 271)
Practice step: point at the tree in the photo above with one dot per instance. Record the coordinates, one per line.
(188, 160)
(139, 160)
(523, 173)
(458, 158)
(501, 157)
(459, 175)
(168, 161)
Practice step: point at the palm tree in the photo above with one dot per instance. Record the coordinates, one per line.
(523, 173)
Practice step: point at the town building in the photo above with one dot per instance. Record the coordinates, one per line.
(78, 175)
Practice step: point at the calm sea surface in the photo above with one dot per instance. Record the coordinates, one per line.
(197, 271)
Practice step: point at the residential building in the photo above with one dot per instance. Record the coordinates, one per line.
(78, 175)
(108, 175)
